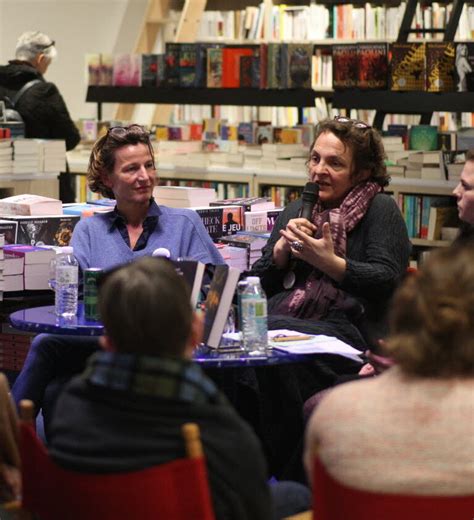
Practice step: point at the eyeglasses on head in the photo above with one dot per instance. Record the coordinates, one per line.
(355, 122)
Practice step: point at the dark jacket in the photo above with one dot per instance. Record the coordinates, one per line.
(42, 107)
(100, 430)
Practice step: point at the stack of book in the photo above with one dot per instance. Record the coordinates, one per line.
(54, 155)
(183, 196)
(251, 242)
(27, 156)
(6, 156)
(28, 204)
(2, 265)
(27, 267)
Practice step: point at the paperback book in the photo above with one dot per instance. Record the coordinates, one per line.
(193, 273)
(218, 303)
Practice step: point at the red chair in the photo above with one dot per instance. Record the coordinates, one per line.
(335, 501)
(177, 490)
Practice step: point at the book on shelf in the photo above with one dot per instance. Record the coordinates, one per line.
(183, 196)
(298, 65)
(440, 57)
(453, 162)
(51, 230)
(193, 273)
(441, 216)
(464, 67)
(220, 220)
(28, 204)
(188, 62)
(345, 64)
(149, 70)
(218, 303)
(127, 70)
(407, 66)
(247, 203)
(214, 67)
(372, 70)
(423, 137)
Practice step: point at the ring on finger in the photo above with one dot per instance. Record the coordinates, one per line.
(297, 245)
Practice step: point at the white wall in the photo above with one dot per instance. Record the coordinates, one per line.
(78, 27)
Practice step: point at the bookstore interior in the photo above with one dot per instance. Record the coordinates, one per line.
(235, 96)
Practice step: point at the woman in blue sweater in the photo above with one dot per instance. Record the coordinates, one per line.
(121, 166)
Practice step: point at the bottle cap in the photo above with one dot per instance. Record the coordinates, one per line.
(253, 279)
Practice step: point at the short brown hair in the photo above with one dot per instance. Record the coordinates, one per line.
(365, 143)
(432, 318)
(102, 158)
(145, 307)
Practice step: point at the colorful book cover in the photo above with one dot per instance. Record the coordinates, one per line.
(246, 133)
(126, 72)
(218, 303)
(187, 65)
(440, 59)
(201, 62)
(423, 137)
(149, 70)
(464, 67)
(232, 221)
(407, 66)
(214, 67)
(106, 70)
(45, 230)
(215, 217)
(264, 134)
(299, 65)
(373, 66)
(92, 69)
(172, 51)
(231, 65)
(345, 64)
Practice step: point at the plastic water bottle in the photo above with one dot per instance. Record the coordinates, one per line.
(67, 279)
(253, 304)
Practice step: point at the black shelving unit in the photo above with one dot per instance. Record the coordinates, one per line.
(205, 96)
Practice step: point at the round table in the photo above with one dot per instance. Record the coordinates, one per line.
(44, 320)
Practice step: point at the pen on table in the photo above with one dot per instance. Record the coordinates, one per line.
(290, 338)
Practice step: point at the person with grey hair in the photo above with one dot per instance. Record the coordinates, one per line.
(41, 106)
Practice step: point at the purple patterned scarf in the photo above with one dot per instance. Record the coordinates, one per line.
(319, 294)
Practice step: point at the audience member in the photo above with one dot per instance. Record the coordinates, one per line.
(411, 429)
(41, 106)
(464, 193)
(121, 166)
(124, 412)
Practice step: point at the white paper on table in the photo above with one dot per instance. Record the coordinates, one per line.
(318, 344)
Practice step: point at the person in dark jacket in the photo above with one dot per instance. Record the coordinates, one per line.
(125, 411)
(42, 107)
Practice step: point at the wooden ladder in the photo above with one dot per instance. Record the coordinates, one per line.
(156, 15)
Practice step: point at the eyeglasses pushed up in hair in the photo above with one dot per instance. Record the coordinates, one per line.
(120, 131)
(355, 122)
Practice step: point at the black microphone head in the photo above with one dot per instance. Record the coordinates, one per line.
(310, 192)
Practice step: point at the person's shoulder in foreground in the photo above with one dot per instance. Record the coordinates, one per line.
(138, 392)
(410, 430)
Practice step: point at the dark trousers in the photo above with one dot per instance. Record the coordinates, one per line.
(52, 360)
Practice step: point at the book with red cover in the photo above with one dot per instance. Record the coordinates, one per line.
(218, 303)
(217, 221)
(345, 65)
(373, 66)
(231, 65)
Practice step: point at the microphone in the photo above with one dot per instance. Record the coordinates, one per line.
(310, 196)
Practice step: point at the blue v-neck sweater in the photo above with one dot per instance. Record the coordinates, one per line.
(98, 243)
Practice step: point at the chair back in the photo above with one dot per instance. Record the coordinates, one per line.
(176, 490)
(335, 501)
